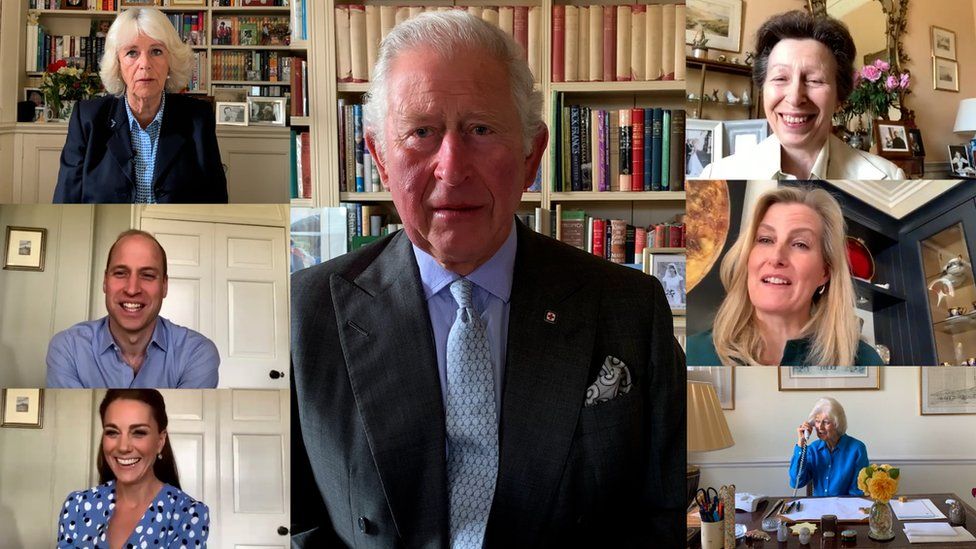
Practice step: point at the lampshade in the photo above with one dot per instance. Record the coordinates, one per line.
(707, 428)
(966, 116)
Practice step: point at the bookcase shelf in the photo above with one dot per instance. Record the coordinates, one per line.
(677, 86)
(618, 196)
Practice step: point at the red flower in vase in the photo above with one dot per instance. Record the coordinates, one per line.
(53, 67)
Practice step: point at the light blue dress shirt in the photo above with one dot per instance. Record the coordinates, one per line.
(144, 144)
(491, 293)
(85, 355)
(832, 473)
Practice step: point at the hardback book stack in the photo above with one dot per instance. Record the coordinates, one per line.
(83, 52)
(605, 43)
(360, 29)
(301, 164)
(638, 149)
(615, 239)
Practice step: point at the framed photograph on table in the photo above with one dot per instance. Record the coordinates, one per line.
(721, 20)
(231, 113)
(959, 163)
(915, 142)
(945, 74)
(671, 270)
(74, 4)
(943, 43)
(741, 134)
(22, 408)
(266, 111)
(24, 249)
(703, 145)
(892, 139)
(721, 377)
(838, 378)
(947, 390)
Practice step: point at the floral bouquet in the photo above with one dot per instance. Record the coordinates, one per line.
(63, 85)
(877, 87)
(878, 482)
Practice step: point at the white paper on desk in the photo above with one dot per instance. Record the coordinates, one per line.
(916, 509)
(747, 502)
(930, 529)
(962, 535)
(844, 508)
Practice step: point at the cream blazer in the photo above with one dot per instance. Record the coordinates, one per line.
(763, 162)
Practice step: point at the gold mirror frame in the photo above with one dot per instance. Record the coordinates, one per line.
(896, 12)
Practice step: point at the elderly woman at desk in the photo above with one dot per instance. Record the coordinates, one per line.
(831, 462)
(789, 296)
(138, 502)
(804, 66)
(139, 143)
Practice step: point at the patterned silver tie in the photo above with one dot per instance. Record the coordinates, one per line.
(472, 430)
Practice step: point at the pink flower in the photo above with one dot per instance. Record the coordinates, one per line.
(905, 81)
(883, 65)
(891, 82)
(871, 73)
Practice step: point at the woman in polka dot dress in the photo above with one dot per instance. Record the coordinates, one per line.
(138, 502)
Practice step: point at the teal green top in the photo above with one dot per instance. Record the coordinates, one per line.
(701, 352)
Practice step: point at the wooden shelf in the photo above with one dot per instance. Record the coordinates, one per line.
(249, 9)
(718, 66)
(666, 250)
(76, 13)
(352, 87)
(531, 197)
(610, 87)
(256, 48)
(872, 298)
(300, 121)
(301, 203)
(365, 197)
(618, 196)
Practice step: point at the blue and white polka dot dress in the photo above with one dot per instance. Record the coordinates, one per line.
(173, 520)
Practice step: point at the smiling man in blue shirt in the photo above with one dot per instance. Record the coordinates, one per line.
(133, 346)
(832, 462)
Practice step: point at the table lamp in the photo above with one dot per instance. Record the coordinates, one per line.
(707, 428)
(966, 117)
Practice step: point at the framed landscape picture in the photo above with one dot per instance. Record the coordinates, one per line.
(945, 74)
(25, 249)
(721, 21)
(947, 390)
(943, 43)
(817, 378)
(22, 408)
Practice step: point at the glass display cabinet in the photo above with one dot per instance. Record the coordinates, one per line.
(951, 295)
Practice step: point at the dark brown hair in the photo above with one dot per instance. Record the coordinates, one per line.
(135, 232)
(164, 468)
(801, 25)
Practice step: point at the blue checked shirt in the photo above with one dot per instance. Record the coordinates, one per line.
(144, 143)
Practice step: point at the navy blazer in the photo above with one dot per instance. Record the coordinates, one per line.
(98, 166)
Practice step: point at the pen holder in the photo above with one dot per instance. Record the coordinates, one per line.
(712, 535)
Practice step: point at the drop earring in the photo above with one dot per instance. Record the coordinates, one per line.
(822, 289)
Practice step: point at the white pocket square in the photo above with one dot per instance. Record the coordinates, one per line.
(614, 380)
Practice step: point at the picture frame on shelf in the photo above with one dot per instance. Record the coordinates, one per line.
(232, 113)
(721, 377)
(257, 3)
(915, 142)
(22, 408)
(959, 161)
(74, 5)
(703, 145)
(266, 111)
(34, 95)
(945, 74)
(946, 390)
(943, 43)
(743, 134)
(24, 248)
(671, 271)
(892, 139)
(721, 21)
(837, 378)
(223, 27)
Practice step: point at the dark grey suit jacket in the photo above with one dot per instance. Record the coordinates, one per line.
(368, 444)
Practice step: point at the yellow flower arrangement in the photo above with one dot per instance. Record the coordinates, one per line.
(878, 482)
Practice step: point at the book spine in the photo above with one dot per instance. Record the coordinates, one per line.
(373, 37)
(583, 46)
(680, 20)
(623, 43)
(596, 43)
(360, 148)
(358, 52)
(626, 164)
(533, 37)
(665, 149)
(566, 149)
(668, 41)
(638, 51)
(575, 149)
(293, 170)
(601, 174)
(648, 146)
(558, 43)
(571, 44)
(629, 243)
(599, 237)
(676, 179)
(618, 240)
(350, 146)
(490, 15)
(609, 43)
(387, 20)
(637, 149)
(614, 135)
(657, 142)
(306, 165)
(506, 22)
(586, 164)
(341, 129)
(640, 242)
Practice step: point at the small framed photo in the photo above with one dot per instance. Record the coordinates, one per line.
(892, 139)
(22, 408)
(25, 249)
(266, 111)
(959, 162)
(249, 34)
(670, 270)
(915, 142)
(945, 74)
(818, 378)
(223, 27)
(703, 145)
(232, 113)
(943, 43)
(947, 391)
(742, 134)
(74, 4)
(35, 96)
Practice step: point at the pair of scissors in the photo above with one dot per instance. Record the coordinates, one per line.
(707, 496)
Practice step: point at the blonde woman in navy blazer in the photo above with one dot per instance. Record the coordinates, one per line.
(141, 144)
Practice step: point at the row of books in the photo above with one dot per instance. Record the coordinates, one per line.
(252, 66)
(198, 72)
(615, 239)
(241, 30)
(299, 87)
(95, 5)
(42, 49)
(301, 164)
(638, 149)
(190, 26)
(366, 223)
(254, 91)
(360, 29)
(618, 43)
(249, 3)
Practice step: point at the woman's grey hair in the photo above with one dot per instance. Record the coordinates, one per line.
(832, 409)
(447, 32)
(127, 27)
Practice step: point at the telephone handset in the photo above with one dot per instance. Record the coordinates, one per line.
(807, 434)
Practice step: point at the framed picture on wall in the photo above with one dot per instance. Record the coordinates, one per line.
(818, 378)
(947, 391)
(703, 145)
(721, 20)
(25, 249)
(943, 43)
(721, 377)
(945, 74)
(892, 139)
(741, 134)
(22, 408)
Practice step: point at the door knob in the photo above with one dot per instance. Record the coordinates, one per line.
(275, 374)
(282, 531)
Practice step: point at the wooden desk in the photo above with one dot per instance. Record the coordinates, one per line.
(753, 521)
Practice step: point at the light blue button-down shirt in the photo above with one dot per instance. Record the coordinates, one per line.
(491, 292)
(144, 144)
(832, 473)
(86, 355)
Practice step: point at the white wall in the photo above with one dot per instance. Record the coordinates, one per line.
(936, 453)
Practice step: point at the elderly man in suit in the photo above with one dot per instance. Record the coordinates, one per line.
(467, 382)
